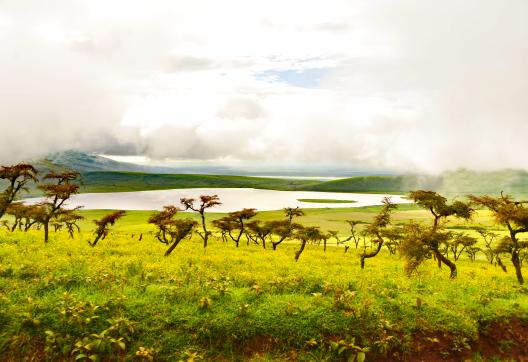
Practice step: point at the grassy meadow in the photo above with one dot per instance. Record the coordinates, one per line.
(452, 183)
(122, 300)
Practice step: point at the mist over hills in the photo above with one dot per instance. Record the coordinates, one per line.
(101, 174)
(91, 162)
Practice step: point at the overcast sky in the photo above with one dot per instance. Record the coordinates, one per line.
(402, 85)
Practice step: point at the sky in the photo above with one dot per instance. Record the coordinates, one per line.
(401, 85)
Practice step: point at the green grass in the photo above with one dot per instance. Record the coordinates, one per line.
(327, 201)
(453, 183)
(136, 181)
(242, 303)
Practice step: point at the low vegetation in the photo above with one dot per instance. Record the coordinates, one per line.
(327, 201)
(312, 298)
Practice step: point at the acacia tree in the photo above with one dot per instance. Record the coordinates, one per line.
(26, 215)
(259, 231)
(353, 235)
(70, 218)
(419, 242)
(284, 229)
(488, 237)
(377, 228)
(461, 242)
(393, 237)
(171, 231)
(17, 178)
(514, 216)
(292, 212)
(103, 225)
(57, 193)
(306, 235)
(205, 202)
(234, 224)
(20, 214)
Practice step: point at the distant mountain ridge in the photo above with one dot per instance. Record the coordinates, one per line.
(101, 174)
(90, 162)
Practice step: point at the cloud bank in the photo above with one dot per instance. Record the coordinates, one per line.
(402, 85)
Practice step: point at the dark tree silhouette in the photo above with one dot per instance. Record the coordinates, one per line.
(57, 193)
(171, 231)
(17, 178)
(103, 225)
(206, 202)
(514, 216)
(234, 224)
(377, 229)
(419, 242)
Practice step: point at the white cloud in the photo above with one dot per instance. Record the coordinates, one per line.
(407, 85)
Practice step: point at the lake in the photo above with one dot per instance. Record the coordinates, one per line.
(232, 199)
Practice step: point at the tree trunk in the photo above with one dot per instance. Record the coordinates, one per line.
(46, 231)
(275, 244)
(171, 248)
(299, 252)
(324, 245)
(96, 240)
(371, 254)
(442, 259)
(204, 227)
(517, 265)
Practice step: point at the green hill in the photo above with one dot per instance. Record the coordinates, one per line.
(137, 181)
(101, 174)
(453, 183)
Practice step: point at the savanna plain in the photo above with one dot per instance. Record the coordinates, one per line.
(124, 300)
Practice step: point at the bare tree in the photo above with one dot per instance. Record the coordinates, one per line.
(17, 178)
(171, 231)
(206, 202)
(103, 225)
